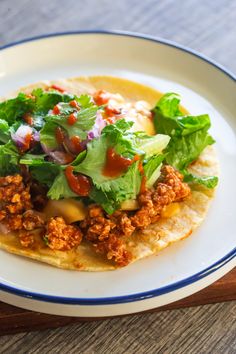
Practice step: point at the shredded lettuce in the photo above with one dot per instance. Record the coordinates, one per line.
(207, 181)
(189, 135)
(152, 169)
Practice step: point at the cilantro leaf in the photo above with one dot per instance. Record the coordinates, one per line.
(12, 109)
(46, 100)
(4, 131)
(111, 193)
(47, 135)
(60, 188)
(8, 159)
(85, 121)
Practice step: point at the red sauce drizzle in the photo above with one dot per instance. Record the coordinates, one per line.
(141, 170)
(56, 110)
(79, 184)
(111, 111)
(59, 134)
(72, 119)
(58, 88)
(101, 97)
(115, 164)
(74, 104)
(76, 144)
(143, 185)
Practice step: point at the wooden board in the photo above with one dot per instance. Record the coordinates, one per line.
(13, 319)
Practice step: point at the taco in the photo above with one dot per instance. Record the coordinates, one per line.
(99, 172)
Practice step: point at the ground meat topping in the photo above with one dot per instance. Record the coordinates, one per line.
(26, 239)
(60, 236)
(107, 232)
(32, 220)
(14, 201)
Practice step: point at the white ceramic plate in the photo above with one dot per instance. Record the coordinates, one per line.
(181, 269)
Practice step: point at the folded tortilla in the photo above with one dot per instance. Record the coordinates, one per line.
(156, 236)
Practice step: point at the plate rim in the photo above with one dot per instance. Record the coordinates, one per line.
(157, 291)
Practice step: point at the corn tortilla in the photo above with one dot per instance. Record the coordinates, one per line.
(155, 237)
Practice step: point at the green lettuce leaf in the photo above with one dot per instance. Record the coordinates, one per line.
(206, 181)
(152, 169)
(168, 105)
(189, 134)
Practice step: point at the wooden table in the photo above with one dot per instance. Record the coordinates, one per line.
(207, 26)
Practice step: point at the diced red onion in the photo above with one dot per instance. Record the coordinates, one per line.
(100, 123)
(20, 134)
(36, 136)
(46, 149)
(59, 157)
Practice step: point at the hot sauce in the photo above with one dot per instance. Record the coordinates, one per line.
(79, 184)
(143, 184)
(101, 97)
(58, 88)
(115, 164)
(56, 110)
(59, 134)
(74, 104)
(76, 144)
(111, 111)
(72, 119)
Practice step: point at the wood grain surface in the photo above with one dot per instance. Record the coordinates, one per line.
(207, 26)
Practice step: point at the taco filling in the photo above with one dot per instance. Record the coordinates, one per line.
(92, 179)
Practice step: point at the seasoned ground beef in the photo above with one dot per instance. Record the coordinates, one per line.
(105, 231)
(32, 220)
(14, 201)
(60, 236)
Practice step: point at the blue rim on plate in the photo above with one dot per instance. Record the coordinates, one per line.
(151, 293)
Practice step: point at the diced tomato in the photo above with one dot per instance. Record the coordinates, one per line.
(58, 88)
